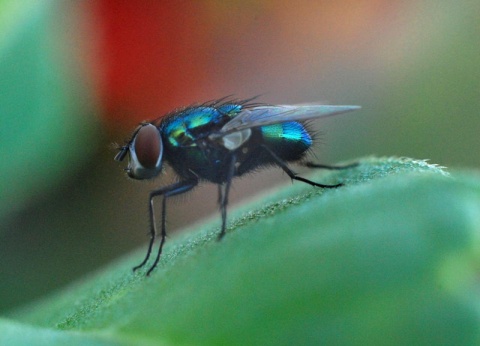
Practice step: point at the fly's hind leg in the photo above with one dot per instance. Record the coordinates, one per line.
(294, 175)
(331, 167)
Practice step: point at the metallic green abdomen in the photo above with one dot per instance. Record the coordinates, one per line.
(288, 140)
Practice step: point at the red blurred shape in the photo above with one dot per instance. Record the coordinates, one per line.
(154, 55)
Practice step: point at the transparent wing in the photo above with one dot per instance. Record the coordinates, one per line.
(269, 115)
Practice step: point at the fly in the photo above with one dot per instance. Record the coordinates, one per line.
(216, 142)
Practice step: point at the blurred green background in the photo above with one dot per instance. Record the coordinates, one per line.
(76, 77)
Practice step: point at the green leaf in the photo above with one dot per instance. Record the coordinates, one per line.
(390, 258)
(13, 333)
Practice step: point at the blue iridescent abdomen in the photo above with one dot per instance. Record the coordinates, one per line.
(288, 140)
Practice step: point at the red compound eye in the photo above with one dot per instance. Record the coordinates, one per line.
(148, 146)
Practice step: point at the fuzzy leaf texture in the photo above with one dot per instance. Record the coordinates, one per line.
(390, 258)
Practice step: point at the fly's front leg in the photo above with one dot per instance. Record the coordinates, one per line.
(294, 175)
(166, 191)
(176, 189)
(153, 228)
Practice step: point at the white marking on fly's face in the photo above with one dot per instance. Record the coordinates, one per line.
(235, 139)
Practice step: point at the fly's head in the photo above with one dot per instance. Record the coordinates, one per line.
(145, 150)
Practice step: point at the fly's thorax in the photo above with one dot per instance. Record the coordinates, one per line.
(191, 125)
(204, 162)
(208, 158)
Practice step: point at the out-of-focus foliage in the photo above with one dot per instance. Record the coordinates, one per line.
(46, 125)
